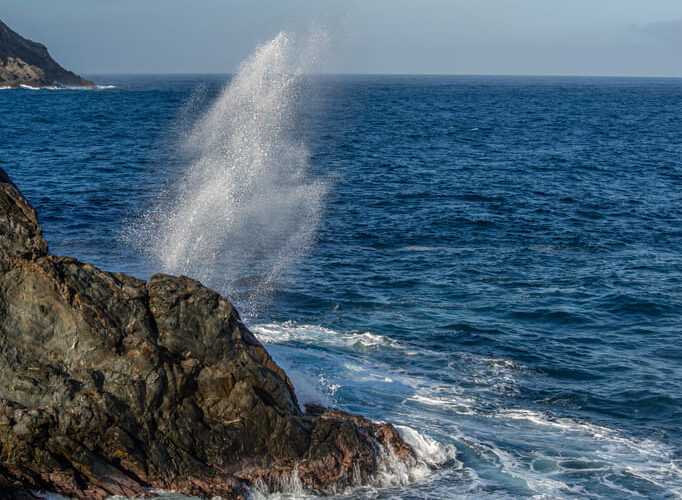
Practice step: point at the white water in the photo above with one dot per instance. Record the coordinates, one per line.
(468, 446)
(54, 87)
(246, 207)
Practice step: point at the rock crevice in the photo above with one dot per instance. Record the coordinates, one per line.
(110, 385)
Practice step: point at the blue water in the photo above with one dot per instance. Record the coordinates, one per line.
(498, 268)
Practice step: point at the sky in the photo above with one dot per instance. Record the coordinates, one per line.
(470, 37)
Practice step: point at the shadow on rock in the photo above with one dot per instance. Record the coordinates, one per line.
(110, 385)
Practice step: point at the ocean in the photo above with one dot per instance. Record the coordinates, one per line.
(493, 264)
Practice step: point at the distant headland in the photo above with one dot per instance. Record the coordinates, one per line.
(25, 62)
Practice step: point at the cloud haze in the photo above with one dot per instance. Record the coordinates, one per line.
(668, 31)
(577, 37)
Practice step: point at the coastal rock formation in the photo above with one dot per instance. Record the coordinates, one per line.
(113, 385)
(24, 62)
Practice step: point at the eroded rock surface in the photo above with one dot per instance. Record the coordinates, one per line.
(113, 385)
(25, 62)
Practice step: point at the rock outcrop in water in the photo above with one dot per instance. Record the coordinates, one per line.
(24, 62)
(113, 385)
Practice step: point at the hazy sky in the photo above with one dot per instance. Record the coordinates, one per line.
(565, 37)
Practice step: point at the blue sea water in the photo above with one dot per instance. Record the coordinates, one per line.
(498, 269)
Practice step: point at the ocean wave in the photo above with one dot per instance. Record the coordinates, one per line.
(590, 448)
(57, 87)
(553, 457)
(96, 87)
(346, 358)
(270, 333)
(430, 455)
(339, 358)
(46, 87)
(462, 406)
(428, 450)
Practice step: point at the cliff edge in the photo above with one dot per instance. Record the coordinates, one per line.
(111, 385)
(24, 62)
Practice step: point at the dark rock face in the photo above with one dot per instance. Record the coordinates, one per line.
(113, 385)
(24, 62)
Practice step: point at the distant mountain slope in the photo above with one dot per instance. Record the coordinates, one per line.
(24, 62)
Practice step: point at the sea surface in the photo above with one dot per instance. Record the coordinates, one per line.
(493, 264)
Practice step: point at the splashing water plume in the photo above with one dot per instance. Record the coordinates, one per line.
(246, 208)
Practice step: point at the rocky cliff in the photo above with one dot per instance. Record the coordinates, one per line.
(113, 385)
(24, 62)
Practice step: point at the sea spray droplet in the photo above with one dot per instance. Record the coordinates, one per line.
(246, 207)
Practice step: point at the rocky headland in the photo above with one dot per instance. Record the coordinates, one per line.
(25, 62)
(111, 385)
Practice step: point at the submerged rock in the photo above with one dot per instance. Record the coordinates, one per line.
(113, 385)
(25, 62)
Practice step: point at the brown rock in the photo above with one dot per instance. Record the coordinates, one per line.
(113, 385)
(24, 62)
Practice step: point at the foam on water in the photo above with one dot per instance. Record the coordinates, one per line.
(610, 450)
(305, 352)
(246, 207)
(291, 331)
(465, 445)
(546, 456)
(428, 450)
(56, 87)
(392, 471)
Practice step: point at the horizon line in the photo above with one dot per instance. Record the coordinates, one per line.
(519, 75)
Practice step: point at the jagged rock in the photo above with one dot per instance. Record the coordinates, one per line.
(24, 62)
(113, 385)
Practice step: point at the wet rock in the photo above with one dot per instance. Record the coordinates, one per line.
(110, 385)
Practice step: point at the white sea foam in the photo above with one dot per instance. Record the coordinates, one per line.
(290, 331)
(392, 471)
(318, 382)
(460, 405)
(589, 448)
(247, 207)
(47, 87)
(287, 341)
(548, 454)
(428, 450)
